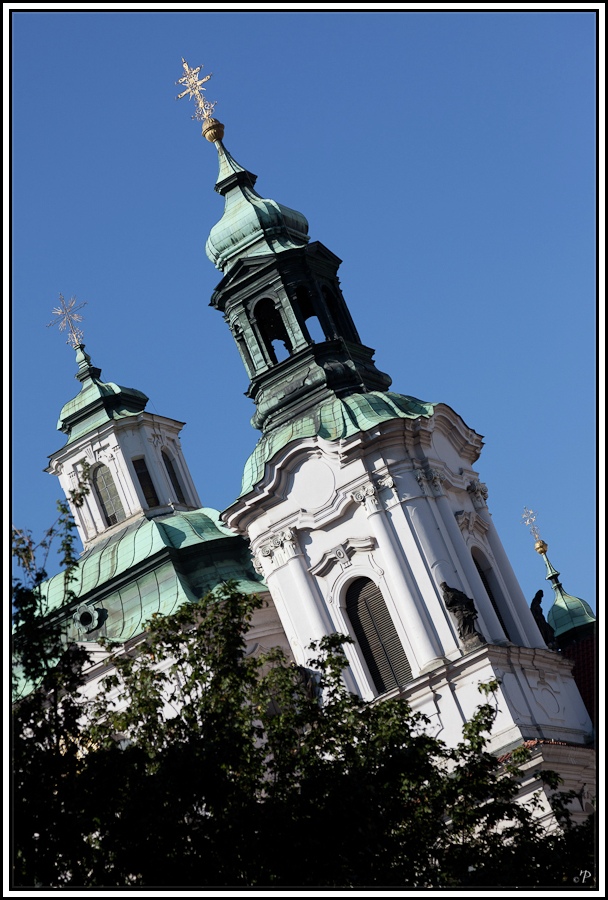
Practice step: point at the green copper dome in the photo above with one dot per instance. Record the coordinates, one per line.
(333, 420)
(567, 612)
(251, 225)
(154, 566)
(98, 402)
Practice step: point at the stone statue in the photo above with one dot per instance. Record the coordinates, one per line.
(546, 631)
(463, 610)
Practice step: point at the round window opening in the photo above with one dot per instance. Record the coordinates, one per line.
(86, 618)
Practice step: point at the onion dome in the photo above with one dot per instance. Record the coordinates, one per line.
(251, 225)
(97, 402)
(568, 612)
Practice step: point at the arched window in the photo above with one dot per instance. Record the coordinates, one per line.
(309, 316)
(492, 589)
(107, 495)
(376, 634)
(179, 494)
(341, 323)
(146, 483)
(272, 330)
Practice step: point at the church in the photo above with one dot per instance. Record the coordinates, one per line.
(360, 512)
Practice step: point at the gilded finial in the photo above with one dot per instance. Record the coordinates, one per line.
(193, 88)
(529, 519)
(65, 316)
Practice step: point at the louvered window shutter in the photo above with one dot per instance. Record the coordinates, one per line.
(376, 634)
(107, 495)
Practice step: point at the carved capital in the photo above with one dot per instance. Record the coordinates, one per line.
(279, 547)
(421, 479)
(386, 481)
(366, 494)
(430, 481)
(435, 479)
(479, 494)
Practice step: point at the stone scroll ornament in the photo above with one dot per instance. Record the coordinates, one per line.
(464, 611)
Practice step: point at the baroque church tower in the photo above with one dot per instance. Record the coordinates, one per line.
(360, 511)
(363, 509)
(149, 546)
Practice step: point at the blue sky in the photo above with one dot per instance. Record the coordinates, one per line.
(447, 158)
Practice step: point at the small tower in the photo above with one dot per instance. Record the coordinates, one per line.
(281, 298)
(149, 547)
(573, 624)
(136, 462)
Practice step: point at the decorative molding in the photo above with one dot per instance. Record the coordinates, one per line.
(341, 555)
(479, 494)
(472, 523)
(86, 618)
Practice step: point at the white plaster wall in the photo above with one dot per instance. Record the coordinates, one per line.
(116, 445)
(402, 506)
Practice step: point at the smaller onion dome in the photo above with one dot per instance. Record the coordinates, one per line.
(97, 402)
(568, 612)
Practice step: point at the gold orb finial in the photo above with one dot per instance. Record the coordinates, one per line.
(541, 547)
(213, 130)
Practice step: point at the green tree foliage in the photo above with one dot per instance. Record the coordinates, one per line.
(198, 765)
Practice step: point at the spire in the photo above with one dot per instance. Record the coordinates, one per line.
(280, 295)
(97, 402)
(567, 613)
(251, 225)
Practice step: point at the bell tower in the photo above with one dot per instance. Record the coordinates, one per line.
(281, 298)
(136, 463)
(363, 508)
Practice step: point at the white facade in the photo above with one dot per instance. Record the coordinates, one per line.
(118, 444)
(400, 505)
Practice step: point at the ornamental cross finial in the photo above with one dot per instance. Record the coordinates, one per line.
(65, 316)
(193, 87)
(529, 519)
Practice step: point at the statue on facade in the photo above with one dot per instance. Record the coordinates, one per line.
(546, 631)
(464, 611)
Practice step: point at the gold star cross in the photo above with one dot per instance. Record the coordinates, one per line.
(65, 316)
(193, 88)
(529, 519)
